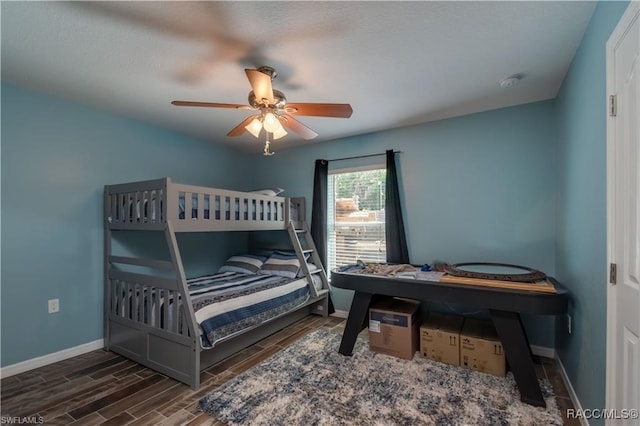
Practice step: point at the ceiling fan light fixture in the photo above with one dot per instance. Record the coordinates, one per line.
(254, 127)
(279, 133)
(271, 123)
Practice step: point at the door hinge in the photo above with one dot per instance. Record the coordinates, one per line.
(613, 106)
(613, 273)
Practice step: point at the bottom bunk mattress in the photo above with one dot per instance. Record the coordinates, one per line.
(228, 303)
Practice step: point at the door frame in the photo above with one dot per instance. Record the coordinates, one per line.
(623, 24)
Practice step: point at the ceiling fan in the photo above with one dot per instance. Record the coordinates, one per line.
(275, 114)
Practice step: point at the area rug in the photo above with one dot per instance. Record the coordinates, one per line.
(310, 383)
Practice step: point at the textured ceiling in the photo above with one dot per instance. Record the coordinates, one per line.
(396, 63)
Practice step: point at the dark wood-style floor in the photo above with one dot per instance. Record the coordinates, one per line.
(104, 388)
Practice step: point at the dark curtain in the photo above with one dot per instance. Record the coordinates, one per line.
(394, 227)
(319, 214)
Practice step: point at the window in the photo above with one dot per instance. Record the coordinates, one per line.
(355, 216)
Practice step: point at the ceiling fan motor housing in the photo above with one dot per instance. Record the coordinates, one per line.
(279, 100)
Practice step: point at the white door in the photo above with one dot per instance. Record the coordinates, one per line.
(623, 187)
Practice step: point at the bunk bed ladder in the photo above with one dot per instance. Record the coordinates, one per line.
(309, 248)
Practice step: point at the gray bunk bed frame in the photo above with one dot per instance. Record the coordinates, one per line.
(134, 287)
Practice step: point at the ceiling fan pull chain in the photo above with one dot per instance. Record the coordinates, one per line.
(266, 148)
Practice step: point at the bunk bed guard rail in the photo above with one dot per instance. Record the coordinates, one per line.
(152, 204)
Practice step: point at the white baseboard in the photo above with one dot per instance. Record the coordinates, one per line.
(572, 392)
(340, 314)
(41, 361)
(543, 351)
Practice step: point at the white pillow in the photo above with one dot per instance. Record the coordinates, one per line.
(272, 192)
(312, 267)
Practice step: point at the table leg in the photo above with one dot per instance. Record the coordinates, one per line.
(356, 321)
(518, 352)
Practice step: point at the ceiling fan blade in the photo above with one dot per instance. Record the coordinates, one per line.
(295, 126)
(209, 105)
(320, 110)
(240, 128)
(261, 84)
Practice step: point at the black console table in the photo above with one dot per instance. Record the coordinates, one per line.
(504, 306)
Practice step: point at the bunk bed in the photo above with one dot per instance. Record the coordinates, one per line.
(157, 317)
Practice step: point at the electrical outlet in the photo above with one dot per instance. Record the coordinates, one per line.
(54, 306)
(569, 323)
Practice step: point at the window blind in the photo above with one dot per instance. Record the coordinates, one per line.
(355, 217)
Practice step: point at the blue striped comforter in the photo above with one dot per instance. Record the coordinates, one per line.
(227, 303)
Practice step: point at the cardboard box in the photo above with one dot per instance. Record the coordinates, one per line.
(480, 347)
(393, 327)
(440, 338)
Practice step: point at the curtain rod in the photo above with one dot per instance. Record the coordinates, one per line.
(363, 156)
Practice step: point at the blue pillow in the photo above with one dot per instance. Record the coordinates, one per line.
(281, 265)
(244, 264)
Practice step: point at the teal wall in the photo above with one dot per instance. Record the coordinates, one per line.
(475, 188)
(524, 185)
(56, 158)
(581, 248)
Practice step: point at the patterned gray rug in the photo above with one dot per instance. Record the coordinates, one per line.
(310, 383)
